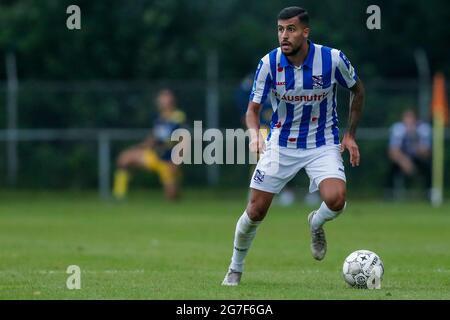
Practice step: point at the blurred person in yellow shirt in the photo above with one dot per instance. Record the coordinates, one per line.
(154, 153)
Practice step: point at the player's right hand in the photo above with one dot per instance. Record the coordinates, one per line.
(257, 145)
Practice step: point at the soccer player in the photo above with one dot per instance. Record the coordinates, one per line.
(154, 154)
(301, 79)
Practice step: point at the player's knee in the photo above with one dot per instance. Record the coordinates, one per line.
(337, 201)
(256, 211)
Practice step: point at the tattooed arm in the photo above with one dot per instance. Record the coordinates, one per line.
(356, 104)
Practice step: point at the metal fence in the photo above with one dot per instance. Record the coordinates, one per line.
(104, 138)
(75, 130)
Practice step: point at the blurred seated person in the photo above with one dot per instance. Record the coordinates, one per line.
(410, 152)
(154, 153)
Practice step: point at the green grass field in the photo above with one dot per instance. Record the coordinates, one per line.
(146, 248)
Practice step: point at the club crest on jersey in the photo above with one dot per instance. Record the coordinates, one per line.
(259, 176)
(317, 81)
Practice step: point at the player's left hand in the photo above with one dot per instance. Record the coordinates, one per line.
(349, 143)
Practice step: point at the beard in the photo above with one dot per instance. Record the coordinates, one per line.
(293, 51)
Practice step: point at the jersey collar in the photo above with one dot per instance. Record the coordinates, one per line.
(284, 62)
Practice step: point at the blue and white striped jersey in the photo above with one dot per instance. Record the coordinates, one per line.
(303, 98)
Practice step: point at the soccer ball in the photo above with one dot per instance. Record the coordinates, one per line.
(362, 267)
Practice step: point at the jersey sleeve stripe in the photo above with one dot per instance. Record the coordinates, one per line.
(340, 78)
(261, 83)
(346, 62)
(273, 66)
(267, 85)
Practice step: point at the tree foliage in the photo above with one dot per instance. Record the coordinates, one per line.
(154, 39)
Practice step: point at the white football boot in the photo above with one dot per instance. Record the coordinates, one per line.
(232, 278)
(318, 240)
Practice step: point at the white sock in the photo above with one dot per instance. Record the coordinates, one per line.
(324, 214)
(243, 237)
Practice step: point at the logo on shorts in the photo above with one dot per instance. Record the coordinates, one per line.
(341, 169)
(259, 176)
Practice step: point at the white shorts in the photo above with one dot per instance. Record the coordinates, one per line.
(275, 169)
